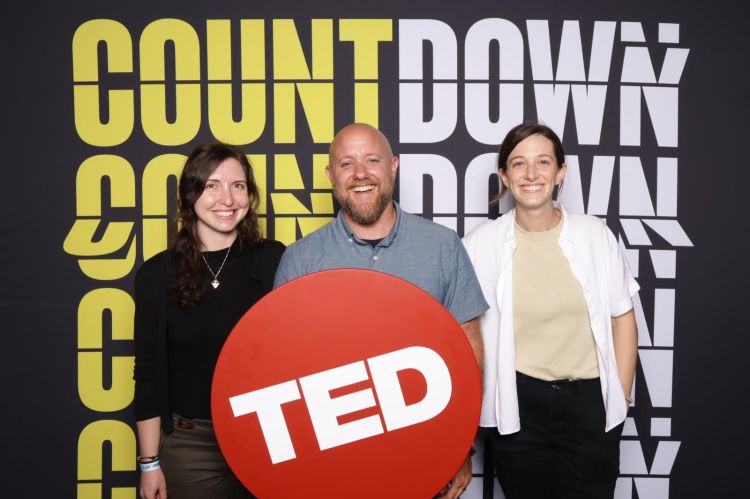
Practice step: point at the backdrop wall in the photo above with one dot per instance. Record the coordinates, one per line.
(102, 104)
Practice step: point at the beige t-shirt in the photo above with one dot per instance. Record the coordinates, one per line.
(552, 330)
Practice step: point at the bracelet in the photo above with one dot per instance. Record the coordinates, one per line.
(472, 451)
(150, 466)
(147, 459)
(629, 400)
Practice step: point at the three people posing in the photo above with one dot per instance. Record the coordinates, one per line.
(552, 299)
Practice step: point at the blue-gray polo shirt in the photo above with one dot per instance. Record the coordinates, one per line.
(420, 251)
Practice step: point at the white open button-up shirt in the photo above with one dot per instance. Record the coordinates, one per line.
(608, 286)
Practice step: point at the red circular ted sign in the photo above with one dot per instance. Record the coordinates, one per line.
(346, 383)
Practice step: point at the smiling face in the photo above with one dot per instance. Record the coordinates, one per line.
(362, 170)
(531, 173)
(222, 205)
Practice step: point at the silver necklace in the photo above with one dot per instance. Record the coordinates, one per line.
(215, 282)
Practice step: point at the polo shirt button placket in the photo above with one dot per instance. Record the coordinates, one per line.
(375, 258)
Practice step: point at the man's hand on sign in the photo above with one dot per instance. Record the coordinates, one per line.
(460, 481)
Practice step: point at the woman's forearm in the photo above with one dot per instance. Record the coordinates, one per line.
(625, 337)
(149, 432)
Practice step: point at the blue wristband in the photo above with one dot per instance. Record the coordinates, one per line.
(151, 466)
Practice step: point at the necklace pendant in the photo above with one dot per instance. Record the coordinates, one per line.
(215, 282)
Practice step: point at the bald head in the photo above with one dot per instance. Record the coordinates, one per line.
(359, 130)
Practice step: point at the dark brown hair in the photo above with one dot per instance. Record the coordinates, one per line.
(518, 134)
(189, 279)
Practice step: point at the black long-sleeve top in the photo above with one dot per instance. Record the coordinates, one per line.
(176, 348)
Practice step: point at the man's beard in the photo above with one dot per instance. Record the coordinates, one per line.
(366, 215)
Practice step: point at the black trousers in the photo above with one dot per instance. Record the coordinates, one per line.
(562, 451)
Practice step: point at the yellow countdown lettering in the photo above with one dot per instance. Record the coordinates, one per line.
(91, 314)
(187, 122)
(253, 112)
(319, 176)
(186, 50)
(109, 269)
(284, 113)
(91, 363)
(260, 173)
(187, 107)
(80, 240)
(288, 176)
(86, 40)
(91, 445)
(89, 180)
(317, 104)
(158, 173)
(90, 386)
(253, 56)
(366, 35)
(219, 49)
(86, 115)
(288, 58)
(89, 491)
(120, 103)
(94, 491)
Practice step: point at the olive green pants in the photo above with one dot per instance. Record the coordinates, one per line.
(194, 466)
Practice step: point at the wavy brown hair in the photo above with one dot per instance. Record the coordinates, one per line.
(189, 279)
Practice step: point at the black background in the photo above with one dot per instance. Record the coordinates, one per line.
(42, 285)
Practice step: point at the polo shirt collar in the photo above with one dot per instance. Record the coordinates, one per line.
(387, 240)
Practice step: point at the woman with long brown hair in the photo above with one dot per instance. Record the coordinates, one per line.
(188, 298)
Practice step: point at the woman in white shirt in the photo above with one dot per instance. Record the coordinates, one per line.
(560, 336)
